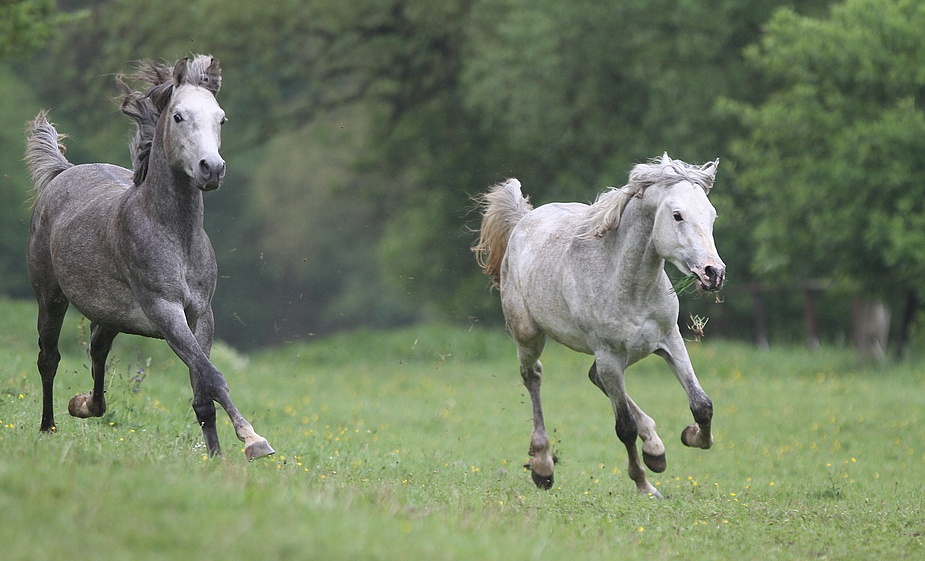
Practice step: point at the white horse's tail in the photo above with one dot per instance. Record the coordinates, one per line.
(44, 152)
(502, 208)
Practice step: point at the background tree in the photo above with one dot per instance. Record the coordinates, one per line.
(359, 130)
(833, 154)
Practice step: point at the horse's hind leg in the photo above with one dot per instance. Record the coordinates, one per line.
(541, 461)
(610, 378)
(94, 403)
(653, 449)
(50, 318)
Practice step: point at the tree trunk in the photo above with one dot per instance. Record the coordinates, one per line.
(912, 308)
(761, 320)
(871, 329)
(809, 318)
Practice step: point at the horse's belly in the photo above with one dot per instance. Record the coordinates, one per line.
(108, 302)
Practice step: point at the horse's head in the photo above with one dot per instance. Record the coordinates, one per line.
(193, 121)
(683, 229)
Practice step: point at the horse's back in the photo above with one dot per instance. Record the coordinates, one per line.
(81, 189)
(535, 274)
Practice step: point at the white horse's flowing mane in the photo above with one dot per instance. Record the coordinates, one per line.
(605, 213)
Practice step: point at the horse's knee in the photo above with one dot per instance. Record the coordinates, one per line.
(204, 408)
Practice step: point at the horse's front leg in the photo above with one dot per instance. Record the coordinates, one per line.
(94, 403)
(610, 374)
(216, 389)
(208, 383)
(699, 434)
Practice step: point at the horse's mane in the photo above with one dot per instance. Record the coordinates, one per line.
(605, 213)
(159, 81)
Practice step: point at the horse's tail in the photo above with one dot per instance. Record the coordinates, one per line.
(502, 208)
(44, 152)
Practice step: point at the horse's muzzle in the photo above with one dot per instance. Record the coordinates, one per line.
(210, 174)
(710, 278)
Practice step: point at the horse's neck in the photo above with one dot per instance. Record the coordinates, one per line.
(170, 199)
(631, 249)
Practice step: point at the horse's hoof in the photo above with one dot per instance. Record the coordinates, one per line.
(542, 481)
(258, 449)
(657, 464)
(693, 437)
(80, 406)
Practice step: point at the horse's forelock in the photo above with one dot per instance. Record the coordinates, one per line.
(202, 70)
(666, 171)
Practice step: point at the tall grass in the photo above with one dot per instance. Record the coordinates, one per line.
(410, 445)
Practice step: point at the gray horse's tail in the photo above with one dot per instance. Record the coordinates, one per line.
(502, 208)
(44, 152)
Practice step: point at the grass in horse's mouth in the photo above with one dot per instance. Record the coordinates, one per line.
(684, 284)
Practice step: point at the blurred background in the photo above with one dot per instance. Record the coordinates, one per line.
(359, 131)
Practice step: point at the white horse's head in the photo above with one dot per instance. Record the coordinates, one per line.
(683, 228)
(193, 122)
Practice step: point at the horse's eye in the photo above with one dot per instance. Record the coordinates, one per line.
(223, 121)
(177, 118)
(678, 217)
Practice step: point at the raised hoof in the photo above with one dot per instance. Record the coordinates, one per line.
(657, 464)
(693, 437)
(80, 406)
(258, 449)
(542, 481)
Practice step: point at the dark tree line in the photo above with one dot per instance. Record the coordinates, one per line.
(359, 130)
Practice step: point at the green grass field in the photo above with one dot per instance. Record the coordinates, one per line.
(410, 445)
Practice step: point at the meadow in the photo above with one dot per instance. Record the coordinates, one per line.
(409, 444)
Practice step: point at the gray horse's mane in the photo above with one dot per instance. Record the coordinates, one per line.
(159, 81)
(605, 213)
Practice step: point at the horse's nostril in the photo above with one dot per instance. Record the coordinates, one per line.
(714, 276)
(213, 170)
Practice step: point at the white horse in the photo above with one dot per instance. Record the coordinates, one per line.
(592, 277)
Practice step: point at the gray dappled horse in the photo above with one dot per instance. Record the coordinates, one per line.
(128, 249)
(592, 277)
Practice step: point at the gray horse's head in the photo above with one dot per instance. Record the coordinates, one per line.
(184, 95)
(683, 228)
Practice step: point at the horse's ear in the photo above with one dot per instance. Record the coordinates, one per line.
(710, 167)
(179, 71)
(666, 159)
(214, 75)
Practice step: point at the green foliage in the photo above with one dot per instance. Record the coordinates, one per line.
(320, 228)
(409, 445)
(14, 185)
(834, 149)
(25, 25)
